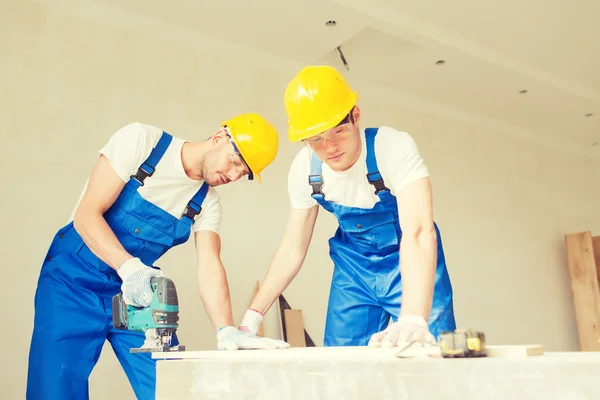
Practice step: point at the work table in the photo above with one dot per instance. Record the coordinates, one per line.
(349, 373)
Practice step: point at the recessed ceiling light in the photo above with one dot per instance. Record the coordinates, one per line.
(440, 62)
(522, 91)
(331, 23)
(589, 114)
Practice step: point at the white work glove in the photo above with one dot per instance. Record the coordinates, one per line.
(136, 282)
(406, 330)
(251, 322)
(231, 338)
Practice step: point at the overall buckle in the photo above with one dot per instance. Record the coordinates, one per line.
(316, 182)
(190, 211)
(142, 174)
(376, 180)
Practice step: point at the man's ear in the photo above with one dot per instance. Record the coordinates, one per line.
(356, 115)
(220, 136)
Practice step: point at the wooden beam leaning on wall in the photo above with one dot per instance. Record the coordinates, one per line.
(596, 249)
(294, 328)
(583, 258)
(291, 325)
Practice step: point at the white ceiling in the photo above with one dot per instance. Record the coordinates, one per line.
(492, 50)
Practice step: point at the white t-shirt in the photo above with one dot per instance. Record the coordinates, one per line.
(169, 187)
(398, 161)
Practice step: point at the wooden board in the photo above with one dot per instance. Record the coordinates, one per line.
(281, 319)
(346, 353)
(293, 353)
(596, 247)
(526, 350)
(294, 328)
(585, 287)
(283, 305)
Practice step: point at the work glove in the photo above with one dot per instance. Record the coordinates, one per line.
(231, 338)
(251, 322)
(136, 278)
(406, 330)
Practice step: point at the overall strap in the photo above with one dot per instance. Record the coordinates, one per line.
(194, 206)
(148, 167)
(373, 174)
(315, 180)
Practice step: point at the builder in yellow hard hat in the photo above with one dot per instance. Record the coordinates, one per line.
(387, 251)
(147, 193)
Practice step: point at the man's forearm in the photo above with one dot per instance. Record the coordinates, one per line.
(214, 293)
(99, 237)
(418, 259)
(283, 269)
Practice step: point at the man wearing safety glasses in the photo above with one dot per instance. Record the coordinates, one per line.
(387, 251)
(146, 194)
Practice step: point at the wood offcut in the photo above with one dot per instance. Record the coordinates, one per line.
(583, 259)
(291, 328)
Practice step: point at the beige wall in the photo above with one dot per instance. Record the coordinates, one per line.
(70, 81)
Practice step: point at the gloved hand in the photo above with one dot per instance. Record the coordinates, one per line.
(136, 282)
(251, 322)
(401, 333)
(231, 338)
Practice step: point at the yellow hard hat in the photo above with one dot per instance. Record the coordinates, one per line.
(316, 99)
(256, 140)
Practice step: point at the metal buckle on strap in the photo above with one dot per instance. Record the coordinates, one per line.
(142, 174)
(190, 211)
(316, 182)
(376, 180)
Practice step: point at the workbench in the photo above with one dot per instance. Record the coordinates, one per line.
(315, 373)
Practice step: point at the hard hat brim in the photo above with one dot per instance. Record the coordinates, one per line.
(297, 135)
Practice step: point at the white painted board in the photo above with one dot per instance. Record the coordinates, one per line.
(295, 353)
(364, 373)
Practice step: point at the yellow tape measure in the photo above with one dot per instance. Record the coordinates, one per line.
(462, 343)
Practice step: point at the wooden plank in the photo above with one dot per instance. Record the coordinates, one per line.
(294, 326)
(280, 308)
(282, 305)
(585, 288)
(596, 247)
(352, 353)
(525, 350)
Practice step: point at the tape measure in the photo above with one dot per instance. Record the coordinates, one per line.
(462, 343)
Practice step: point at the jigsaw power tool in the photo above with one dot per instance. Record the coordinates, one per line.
(159, 321)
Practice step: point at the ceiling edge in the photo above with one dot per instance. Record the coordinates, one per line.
(415, 25)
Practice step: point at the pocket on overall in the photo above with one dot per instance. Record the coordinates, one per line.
(58, 243)
(371, 233)
(149, 241)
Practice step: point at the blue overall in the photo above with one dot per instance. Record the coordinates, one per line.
(366, 288)
(73, 315)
